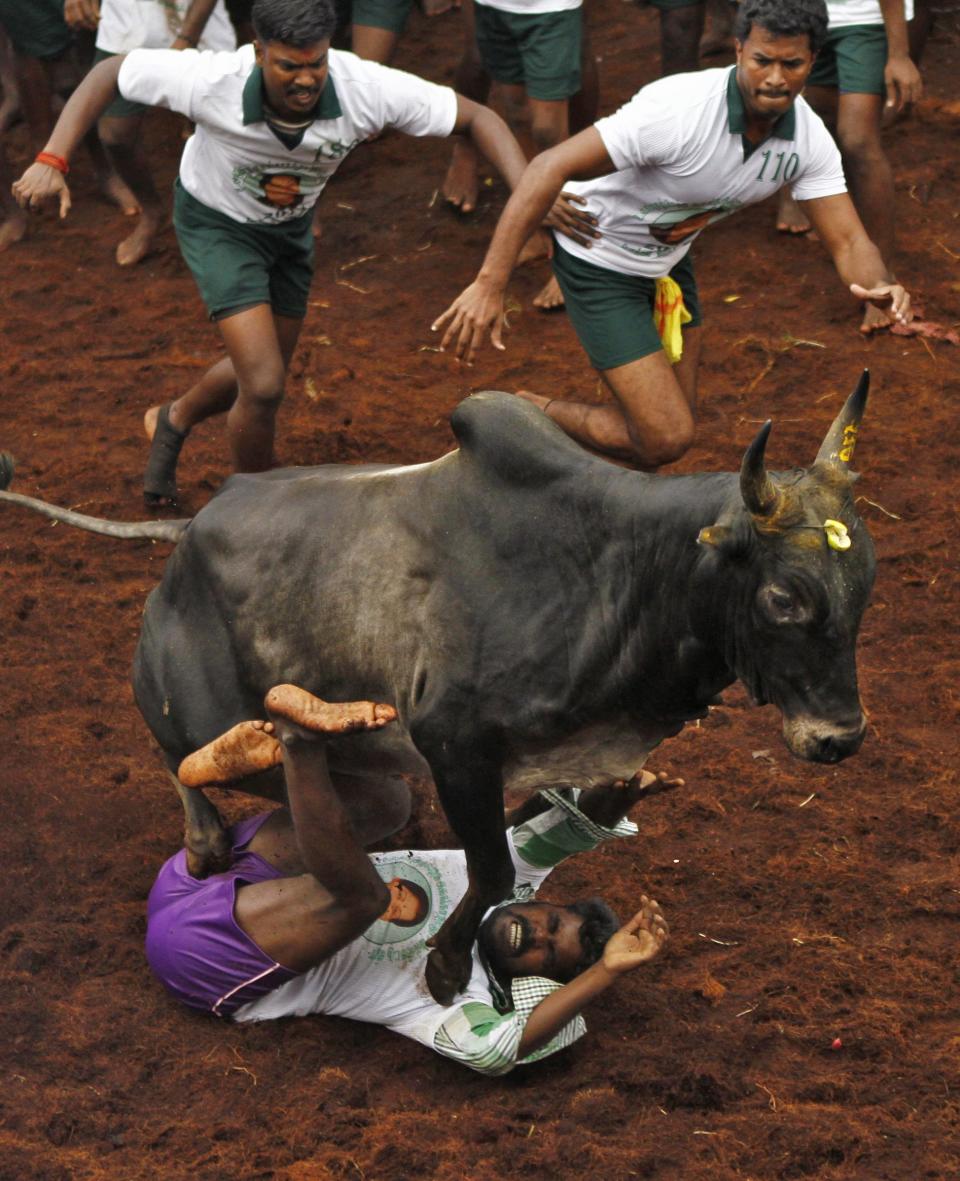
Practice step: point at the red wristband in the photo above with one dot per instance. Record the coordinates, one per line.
(53, 161)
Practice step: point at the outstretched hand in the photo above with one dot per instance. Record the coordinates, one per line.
(638, 941)
(476, 310)
(890, 298)
(37, 184)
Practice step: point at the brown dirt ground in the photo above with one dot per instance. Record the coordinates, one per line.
(807, 903)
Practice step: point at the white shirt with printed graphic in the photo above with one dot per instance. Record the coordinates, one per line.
(379, 977)
(677, 161)
(226, 162)
(154, 24)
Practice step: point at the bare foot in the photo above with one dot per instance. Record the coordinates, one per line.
(113, 188)
(138, 245)
(538, 245)
(790, 217)
(550, 296)
(13, 229)
(461, 184)
(874, 320)
(247, 749)
(310, 715)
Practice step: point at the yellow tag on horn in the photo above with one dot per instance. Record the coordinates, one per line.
(837, 535)
(669, 313)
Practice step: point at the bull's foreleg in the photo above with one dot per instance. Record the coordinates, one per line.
(204, 835)
(470, 787)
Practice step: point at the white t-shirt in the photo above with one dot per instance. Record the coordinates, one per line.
(379, 977)
(233, 153)
(531, 7)
(680, 167)
(154, 24)
(841, 13)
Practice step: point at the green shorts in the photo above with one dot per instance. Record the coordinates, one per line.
(237, 266)
(382, 14)
(612, 313)
(120, 108)
(540, 52)
(852, 60)
(36, 28)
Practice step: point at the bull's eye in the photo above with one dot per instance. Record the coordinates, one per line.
(780, 605)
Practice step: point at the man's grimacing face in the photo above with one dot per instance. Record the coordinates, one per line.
(293, 78)
(772, 70)
(533, 939)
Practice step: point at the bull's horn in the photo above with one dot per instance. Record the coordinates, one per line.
(757, 489)
(841, 438)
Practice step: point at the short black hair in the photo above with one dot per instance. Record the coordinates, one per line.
(786, 18)
(423, 909)
(297, 23)
(599, 923)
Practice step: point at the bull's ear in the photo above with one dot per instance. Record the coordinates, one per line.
(841, 438)
(759, 492)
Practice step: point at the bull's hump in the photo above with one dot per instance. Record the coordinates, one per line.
(513, 439)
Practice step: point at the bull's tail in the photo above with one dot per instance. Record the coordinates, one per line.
(151, 530)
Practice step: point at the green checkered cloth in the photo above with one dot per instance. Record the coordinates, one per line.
(487, 1038)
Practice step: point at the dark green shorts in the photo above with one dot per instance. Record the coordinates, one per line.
(120, 108)
(382, 14)
(852, 60)
(36, 28)
(612, 313)
(237, 266)
(540, 52)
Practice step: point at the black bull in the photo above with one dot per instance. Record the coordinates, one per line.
(533, 612)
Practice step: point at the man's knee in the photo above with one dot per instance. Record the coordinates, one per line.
(547, 131)
(662, 444)
(263, 391)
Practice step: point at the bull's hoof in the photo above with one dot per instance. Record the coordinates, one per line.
(212, 854)
(448, 974)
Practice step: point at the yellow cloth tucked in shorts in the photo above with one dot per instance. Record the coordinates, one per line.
(669, 314)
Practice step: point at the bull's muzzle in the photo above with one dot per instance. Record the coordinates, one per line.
(823, 742)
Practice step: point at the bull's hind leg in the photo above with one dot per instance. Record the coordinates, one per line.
(205, 837)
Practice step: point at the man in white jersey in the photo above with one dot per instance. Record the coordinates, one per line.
(684, 152)
(274, 120)
(304, 922)
(862, 73)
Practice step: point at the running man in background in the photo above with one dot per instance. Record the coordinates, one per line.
(274, 121)
(684, 152)
(305, 922)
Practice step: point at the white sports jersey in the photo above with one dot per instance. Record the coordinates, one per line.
(682, 163)
(230, 160)
(841, 13)
(380, 976)
(154, 24)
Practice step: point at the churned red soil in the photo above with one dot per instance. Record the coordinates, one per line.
(804, 1022)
